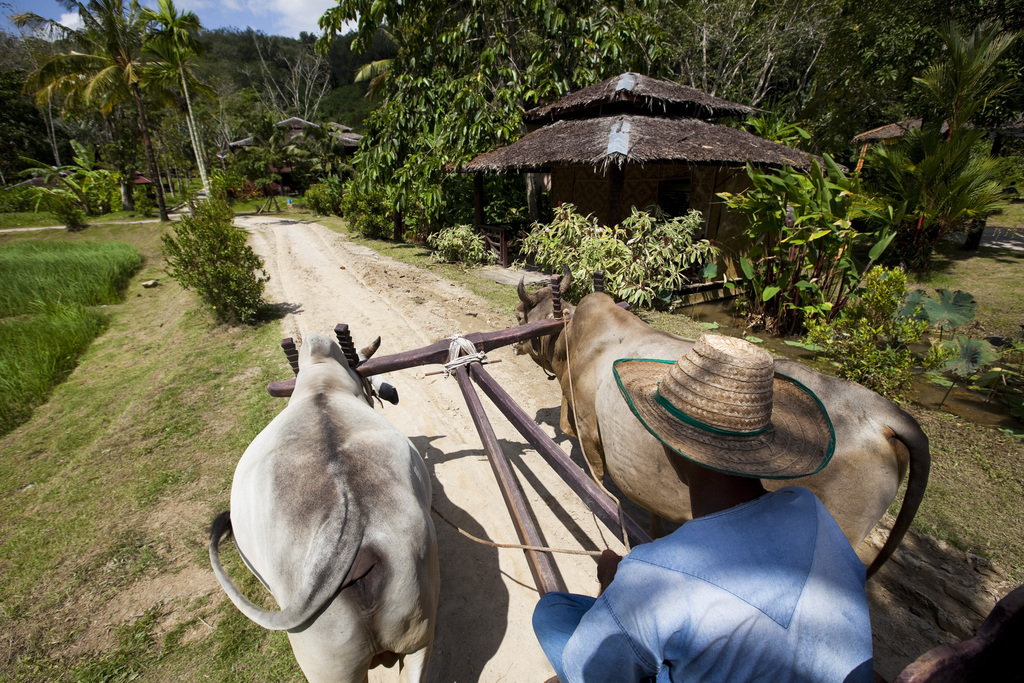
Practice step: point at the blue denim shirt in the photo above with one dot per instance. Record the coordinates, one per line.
(769, 590)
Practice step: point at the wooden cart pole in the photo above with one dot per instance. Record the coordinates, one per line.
(543, 569)
(595, 499)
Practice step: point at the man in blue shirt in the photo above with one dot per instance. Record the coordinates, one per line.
(758, 586)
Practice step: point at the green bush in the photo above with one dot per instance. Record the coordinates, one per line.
(67, 212)
(646, 259)
(17, 199)
(209, 255)
(325, 198)
(368, 213)
(460, 244)
(870, 341)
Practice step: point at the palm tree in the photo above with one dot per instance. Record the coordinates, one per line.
(104, 64)
(173, 41)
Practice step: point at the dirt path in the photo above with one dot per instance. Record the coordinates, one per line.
(927, 595)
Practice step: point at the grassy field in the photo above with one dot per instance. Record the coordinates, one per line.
(107, 491)
(45, 326)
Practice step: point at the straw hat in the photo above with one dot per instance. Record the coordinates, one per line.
(722, 406)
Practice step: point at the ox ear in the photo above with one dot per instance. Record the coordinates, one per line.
(566, 280)
(524, 296)
(367, 351)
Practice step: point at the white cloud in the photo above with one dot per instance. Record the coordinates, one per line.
(71, 19)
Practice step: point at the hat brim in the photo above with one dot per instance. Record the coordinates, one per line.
(799, 441)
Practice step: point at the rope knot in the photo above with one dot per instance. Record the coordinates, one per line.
(461, 352)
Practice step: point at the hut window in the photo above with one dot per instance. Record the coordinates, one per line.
(674, 196)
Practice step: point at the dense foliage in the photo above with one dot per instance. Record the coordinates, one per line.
(206, 253)
(460, 244)
(801, 262)
(646, 259)
(870, 342)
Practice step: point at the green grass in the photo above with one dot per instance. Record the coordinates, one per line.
(1010, 215)
(110, 487)
(993, 276)
(63, 272)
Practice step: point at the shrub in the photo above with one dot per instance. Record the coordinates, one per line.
(646, 258)
(325, 198)
(460, 244)
(368, 213)
(870, 341)
(67, 212)
(209, 255)
(17, 199)
(801, 261)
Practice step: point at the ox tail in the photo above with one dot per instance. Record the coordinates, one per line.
(909, 433)
(339, 566)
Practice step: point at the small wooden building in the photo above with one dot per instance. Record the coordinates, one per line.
(635, 141)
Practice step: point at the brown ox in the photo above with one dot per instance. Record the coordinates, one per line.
(876, 442)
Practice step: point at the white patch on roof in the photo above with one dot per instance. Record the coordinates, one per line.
(618, 138)
(626, 82)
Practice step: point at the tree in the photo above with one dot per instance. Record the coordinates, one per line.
(465, 71)
(103, 64)
(173, 40)
(940, 173)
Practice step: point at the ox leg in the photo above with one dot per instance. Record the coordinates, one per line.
(414, 666)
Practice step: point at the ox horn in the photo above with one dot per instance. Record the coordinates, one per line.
(367, 351)
(524, 296)
(566, 280)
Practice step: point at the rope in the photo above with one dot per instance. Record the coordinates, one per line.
(461, 352)
(538, 548)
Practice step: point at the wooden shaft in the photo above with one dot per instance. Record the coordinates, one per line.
(582, 485)
(541, 566)
(598, 280)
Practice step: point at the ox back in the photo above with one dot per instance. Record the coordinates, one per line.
(330, 509)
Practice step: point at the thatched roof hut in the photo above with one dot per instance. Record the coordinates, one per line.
(636, 141)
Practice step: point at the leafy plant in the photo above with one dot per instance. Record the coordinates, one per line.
(967, 357)
(321, 200)
(870, 341)
(367, 212)
(82, 185)
(646, 259)
(950, 310)
(1005, 380)
(801, 262)
(460, 244)
(209, 255)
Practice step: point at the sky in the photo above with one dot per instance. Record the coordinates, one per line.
(273, 17)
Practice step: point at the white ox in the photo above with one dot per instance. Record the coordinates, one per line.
(876, 442)
(330, 509)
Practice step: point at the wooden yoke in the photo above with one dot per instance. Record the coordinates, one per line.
(598, 280)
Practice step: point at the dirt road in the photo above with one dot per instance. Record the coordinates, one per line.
(929, 594)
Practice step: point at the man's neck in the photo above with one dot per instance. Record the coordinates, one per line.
(712, 491)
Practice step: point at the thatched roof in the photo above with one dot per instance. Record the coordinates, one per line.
(632, 93)
(635, 139)
(888, 132)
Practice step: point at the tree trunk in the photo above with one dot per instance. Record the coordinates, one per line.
(127, 198)
(51, 131)
(193, 132)
(147, 144)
